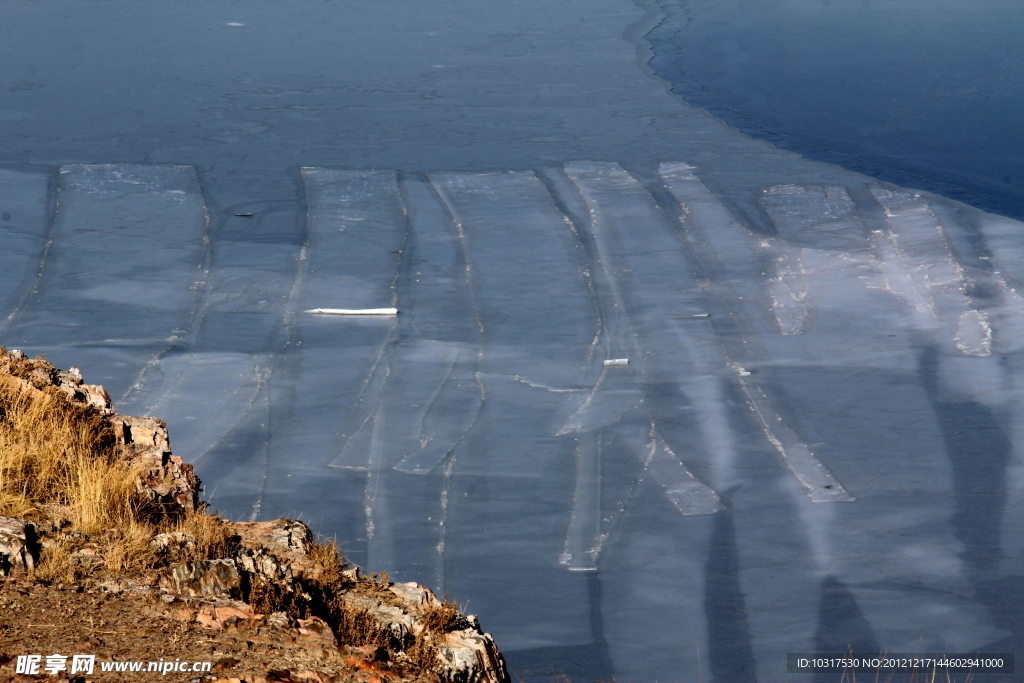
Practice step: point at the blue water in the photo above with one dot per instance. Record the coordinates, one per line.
(923, 93)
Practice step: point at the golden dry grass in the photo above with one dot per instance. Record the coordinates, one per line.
(330, 558)
(55, 565)
(59, 459)
(442, 617)
(60, 464)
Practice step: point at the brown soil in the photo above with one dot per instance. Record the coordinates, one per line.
(55, 619)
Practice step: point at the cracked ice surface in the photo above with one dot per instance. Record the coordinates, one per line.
(800, 396)
(481, 436)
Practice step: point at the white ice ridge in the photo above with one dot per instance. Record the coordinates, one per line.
(23, 203)
(1004, 238)
(722, 247)
(353, 311)
(788, 291)
(822, 218)
(688, 494)
(920, 269)
(585, 538)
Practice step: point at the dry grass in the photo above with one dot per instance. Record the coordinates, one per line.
(356, 626)
(55, 565)
(330, 558)
(212, 535)
(60, 464)
(60, 459)
(443, 617)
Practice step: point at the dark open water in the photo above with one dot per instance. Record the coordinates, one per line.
(924, 93)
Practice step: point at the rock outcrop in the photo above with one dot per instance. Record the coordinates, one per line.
(269, 577)
(166, 479)
(19, 549)
(395, 616)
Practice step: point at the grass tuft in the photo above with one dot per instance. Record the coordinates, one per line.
(59, 459)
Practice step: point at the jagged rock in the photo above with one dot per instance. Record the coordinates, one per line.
(281, 620)
(414, 595)
(143, 433)
(212, 577)
(224, 614)
(172, 542)
(277, 550)
(165, 477)
(469, 657)
(97, 397)
(389, 617)
(317, 629)
(18, 545)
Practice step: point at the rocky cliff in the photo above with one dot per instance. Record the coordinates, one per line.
(262, 583)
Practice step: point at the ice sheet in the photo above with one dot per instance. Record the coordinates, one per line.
(483, 421)
(649, 279)
(507, 220)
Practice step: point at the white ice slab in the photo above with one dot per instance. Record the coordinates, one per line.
(788, 290)
(689, 495)
(353, 311)
(125, 264)
(815, 216)
(818, 217)
(352, 217)
(651, 280)
(526, 279)
(933, 280)
(584, 537)
(356, 228)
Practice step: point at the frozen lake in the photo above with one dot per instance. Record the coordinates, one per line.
(661, 402)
